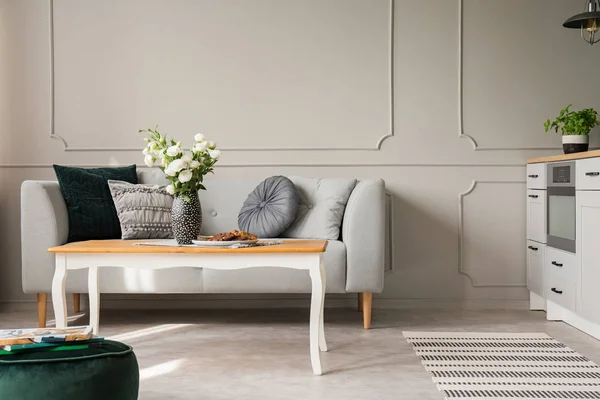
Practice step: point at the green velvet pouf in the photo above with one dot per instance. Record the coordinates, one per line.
(109, 371)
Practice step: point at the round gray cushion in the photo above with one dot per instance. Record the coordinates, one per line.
(271, 208)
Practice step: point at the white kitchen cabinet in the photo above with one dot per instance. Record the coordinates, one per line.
(536, 176)
(588, 174)
(562, 264)
(561, 291)
(536, 215)
(562, 279)
(588, 252)
(535, 267)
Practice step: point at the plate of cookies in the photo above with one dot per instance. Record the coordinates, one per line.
(225, 239)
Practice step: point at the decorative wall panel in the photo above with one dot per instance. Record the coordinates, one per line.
(504, 103)
(253, 75)
(492, 233)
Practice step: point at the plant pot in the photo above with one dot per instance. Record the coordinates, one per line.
(575, 143)
(186, 218)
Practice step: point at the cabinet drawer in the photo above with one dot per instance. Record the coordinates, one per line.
(562, 264)
(536, 176)
(535, 267)
(561, 291)
(536, 215)
(587, 174)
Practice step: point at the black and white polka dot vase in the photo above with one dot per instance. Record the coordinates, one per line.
(186, 218)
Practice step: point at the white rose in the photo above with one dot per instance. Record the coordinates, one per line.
(214, 154)
(146, 151)
(185, 176)
(176, 166)
(149, 160)
(194, 164)
(198, 137)
(186, 158)
(200, 147)
(212, 145)
(173, 151)
(170, 189)
(170, 171)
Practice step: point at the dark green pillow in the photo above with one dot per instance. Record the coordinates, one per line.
(92, 213)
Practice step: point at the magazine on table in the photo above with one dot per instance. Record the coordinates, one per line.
(44, 335)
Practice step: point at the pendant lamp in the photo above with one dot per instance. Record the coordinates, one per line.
(587, 22)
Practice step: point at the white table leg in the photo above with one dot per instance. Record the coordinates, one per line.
(59, 300)
(322, 342)
(94, 299)
(317, 273)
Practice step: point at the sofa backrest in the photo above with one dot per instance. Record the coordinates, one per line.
(221, 201)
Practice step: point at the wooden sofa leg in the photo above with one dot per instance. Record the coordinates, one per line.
(42, 299)
(76, 302)
(360, 300)
(367, 302)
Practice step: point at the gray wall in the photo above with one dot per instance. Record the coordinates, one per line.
(444, 99)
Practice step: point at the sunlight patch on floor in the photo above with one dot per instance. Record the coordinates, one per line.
(160, 369)
(147, 331)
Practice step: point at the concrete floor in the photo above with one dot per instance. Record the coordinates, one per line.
(263, 354)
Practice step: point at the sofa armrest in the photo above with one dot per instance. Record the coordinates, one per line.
(44, 224)
(363, 232)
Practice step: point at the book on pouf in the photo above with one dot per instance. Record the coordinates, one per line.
(47, 339)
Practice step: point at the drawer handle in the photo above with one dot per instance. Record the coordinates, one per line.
(592, 173)
(533, 196)
(532, 248)
(532, 176)
(556, 291)
(557, 264)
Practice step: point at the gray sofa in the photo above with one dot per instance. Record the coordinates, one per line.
(354, 264)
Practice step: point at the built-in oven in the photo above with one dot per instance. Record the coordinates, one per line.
(560, 219)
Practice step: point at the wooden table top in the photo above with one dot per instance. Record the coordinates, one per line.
(565, 157)
(129, 246)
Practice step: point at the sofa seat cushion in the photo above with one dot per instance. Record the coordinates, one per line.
(92, 213)
(321, 209)
(270, 208)
(144, 210)
(279, 280)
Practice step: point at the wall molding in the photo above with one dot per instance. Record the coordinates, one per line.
(291, 165)
(461, 231)
(66, 147)
(461, 132)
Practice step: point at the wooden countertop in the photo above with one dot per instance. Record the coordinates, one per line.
(565, 157)
(129, 246)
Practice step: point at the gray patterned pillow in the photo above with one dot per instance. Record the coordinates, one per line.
(144, 211)
(270, 208)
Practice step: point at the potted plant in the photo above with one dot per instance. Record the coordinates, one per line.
(185, 170)
(574, 126)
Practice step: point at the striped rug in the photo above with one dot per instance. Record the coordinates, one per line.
(505, 366)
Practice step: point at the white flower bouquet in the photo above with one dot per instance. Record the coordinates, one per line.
(185, 170)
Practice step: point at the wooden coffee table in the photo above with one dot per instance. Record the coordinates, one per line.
(93, 254)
